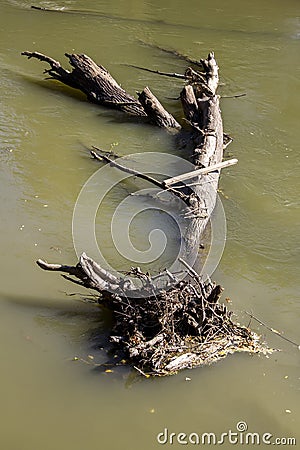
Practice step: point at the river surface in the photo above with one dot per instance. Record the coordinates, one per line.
(53, 394)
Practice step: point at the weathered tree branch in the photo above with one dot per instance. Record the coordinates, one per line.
(161, 184)
(175, 53)
(93, 80)
(156, 112)
(158, 72)
(101, 88)
(203, 171)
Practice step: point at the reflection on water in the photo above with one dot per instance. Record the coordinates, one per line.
(53, 401)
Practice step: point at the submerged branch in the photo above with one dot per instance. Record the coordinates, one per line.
(161, 184)
(175, 53)
(278, 333)
(158, 72)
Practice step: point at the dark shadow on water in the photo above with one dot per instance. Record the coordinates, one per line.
(113, 115)
(55, 86)
(87, 326)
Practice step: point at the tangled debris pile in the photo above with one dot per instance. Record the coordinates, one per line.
(179, 325)
(183, 328)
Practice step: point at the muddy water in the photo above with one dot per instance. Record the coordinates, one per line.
(50, 401)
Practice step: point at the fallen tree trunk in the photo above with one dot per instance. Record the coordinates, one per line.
(101, 88)
(93, 80)
(164, 324)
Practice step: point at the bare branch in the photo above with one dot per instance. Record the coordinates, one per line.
(202, 171)
(141, 175)
(273, 330)
(158, 72)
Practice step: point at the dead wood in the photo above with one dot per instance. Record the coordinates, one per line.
(163, 185)
(93, 80)
(175, 53)
(180, 326)
(202, 171)
(156, 112)
(101, 88)
(162, 324)
(158, 72)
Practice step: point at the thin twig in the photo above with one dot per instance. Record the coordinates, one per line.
(202, 171)
(234, 96)
(158, 72)
(134, 172)
(138, 174)
(273, 330)
(113, 102)
(192, 272)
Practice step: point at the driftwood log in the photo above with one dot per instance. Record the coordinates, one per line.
(181, 324)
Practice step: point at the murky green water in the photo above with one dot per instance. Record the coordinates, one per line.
(50, 402)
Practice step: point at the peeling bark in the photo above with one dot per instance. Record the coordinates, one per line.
(156, 112)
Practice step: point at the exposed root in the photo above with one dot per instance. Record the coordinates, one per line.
(163, 325)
